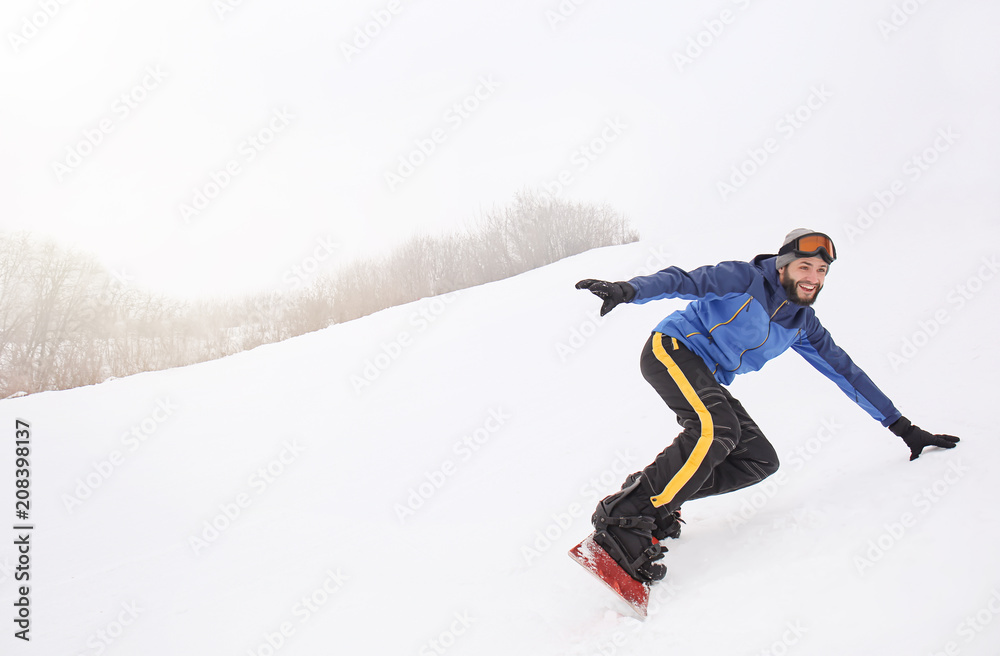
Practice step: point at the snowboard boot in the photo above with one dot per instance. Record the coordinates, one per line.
(668, 524)
(626, 533)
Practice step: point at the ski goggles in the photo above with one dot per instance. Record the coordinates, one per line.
(811, 245)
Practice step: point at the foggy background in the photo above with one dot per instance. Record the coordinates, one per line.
(230, 153)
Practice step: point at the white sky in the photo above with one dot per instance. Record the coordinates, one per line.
(214, 81)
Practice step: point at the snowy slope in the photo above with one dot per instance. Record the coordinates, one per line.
(428, 510)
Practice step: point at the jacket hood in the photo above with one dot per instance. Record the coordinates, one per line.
(767, 266)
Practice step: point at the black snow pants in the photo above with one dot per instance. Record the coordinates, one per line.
(720, 449)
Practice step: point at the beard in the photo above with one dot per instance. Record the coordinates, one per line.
(792, 289)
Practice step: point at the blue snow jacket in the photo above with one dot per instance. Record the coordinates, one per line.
(741, 317)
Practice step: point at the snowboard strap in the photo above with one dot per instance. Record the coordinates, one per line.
(627, 546)
(640, 522)
(639, 568)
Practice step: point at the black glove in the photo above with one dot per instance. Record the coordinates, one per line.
(917, 438)
(613, 293)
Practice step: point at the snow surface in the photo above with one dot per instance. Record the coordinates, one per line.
(850, 548)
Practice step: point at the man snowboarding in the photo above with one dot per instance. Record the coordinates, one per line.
(742, 314)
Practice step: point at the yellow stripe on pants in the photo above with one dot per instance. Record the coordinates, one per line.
(697, 456)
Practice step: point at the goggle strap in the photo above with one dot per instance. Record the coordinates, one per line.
(818, 239)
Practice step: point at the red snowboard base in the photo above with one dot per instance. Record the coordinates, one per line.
(596, 560)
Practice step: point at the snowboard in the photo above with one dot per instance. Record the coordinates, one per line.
(598, 562)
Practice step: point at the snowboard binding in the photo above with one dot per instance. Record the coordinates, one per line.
(668, 525)
(627, 535)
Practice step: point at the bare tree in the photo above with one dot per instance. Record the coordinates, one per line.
(65, 321)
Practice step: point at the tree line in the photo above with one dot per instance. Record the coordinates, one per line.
(67, 321)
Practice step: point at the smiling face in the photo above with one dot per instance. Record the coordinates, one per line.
(803, 279)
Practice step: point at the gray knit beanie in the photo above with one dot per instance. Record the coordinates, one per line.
(788, 258)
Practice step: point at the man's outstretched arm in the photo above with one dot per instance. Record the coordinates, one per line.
(819, 349)
(673, 282)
